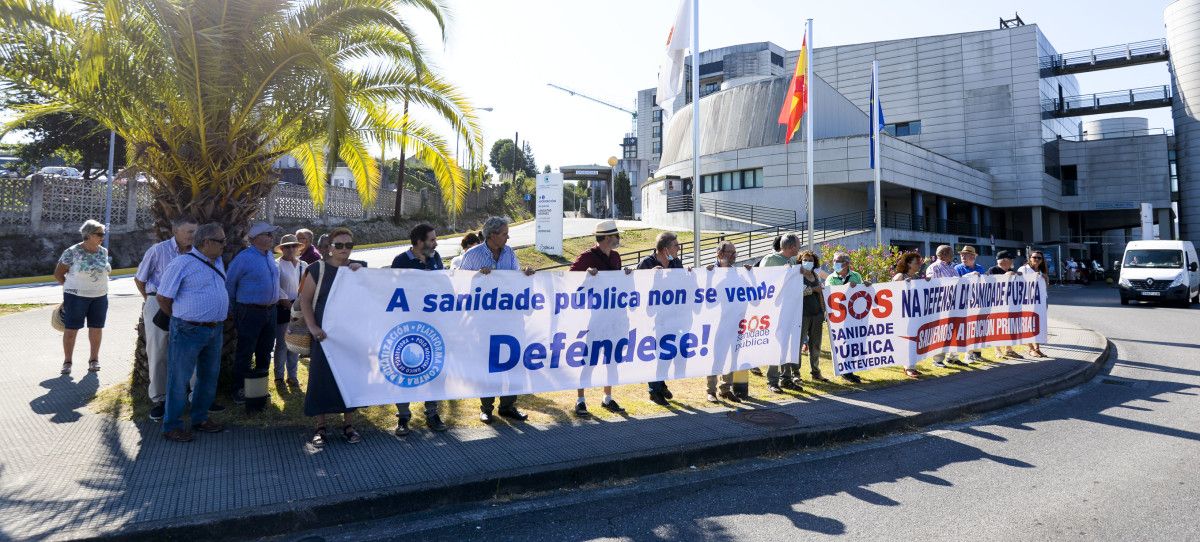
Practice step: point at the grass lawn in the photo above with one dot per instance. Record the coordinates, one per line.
(286, 408)
(6, 310)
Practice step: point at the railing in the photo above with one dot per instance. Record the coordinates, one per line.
(1113, 134)
(1129, 53)
(903, 221)
(754, 214)
(1115, 100)
(754, 244)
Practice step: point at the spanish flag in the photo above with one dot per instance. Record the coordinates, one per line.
(796, 98)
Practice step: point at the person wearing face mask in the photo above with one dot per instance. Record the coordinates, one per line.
(843, 274)
(666, 256)
(789, 248)
(602, 257)
(814, 314)
(734, 386)
(423, 255)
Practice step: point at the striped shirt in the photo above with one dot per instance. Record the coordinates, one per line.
(253, 277)
(154, 263)
(940, 270)
(480, 256)
(198, 293)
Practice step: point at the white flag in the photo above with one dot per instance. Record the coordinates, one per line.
(671, 74)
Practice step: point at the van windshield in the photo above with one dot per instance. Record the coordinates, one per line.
(1156, 259)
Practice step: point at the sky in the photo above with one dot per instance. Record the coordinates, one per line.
(502, 53)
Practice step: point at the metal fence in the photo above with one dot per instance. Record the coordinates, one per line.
(53, 204)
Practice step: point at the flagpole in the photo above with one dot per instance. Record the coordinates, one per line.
(695, 133)
(808, 148)
(875, 106)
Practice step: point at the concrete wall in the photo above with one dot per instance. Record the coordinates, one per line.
(1118, 172)
(1114, 127)
(976, 95)
(1183, 37)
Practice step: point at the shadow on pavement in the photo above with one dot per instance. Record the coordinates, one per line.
(64, 397)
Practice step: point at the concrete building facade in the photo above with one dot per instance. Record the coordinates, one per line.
(979, 146)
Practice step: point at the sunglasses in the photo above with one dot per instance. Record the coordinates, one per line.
(342, 246)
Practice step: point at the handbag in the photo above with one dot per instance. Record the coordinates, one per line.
(297, 338)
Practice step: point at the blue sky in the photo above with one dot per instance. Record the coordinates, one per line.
(503, 52)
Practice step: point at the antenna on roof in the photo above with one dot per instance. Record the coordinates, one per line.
(1011, 23)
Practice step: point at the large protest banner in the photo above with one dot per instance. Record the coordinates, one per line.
(404, 336)
(899, 323)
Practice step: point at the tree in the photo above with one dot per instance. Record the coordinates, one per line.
(546, 169)
(624, 195)
(79, 141)
(208, 95)
(502, 156)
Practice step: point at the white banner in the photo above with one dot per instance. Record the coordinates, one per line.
(900, 323)
(399, 335)
(548, 223)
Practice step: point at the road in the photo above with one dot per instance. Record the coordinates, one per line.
(1111, 460)
(121, 287)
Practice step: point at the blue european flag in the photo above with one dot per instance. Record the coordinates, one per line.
(878, 104)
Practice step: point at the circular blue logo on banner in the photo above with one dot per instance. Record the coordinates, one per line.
(411, 354)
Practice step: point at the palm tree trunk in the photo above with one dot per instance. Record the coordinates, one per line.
(398, 213)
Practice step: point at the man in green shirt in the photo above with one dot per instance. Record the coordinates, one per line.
(842, 274)
(789, 248)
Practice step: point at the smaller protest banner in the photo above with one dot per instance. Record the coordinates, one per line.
(900, 323)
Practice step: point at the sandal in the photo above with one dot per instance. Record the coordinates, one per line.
(319, 437)
(66, 368)
(351, 435)
(93, 365)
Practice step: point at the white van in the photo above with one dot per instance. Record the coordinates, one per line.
(1160, 271)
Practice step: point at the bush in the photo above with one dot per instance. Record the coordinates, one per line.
(874, 263)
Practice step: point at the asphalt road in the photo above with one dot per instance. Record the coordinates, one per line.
(1114, 459)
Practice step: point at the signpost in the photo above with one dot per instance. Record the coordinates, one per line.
(549, 213)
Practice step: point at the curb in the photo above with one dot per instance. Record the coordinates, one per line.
(284, 518)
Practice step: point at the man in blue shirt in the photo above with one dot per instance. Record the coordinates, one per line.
(969, 267)
(192, 293)
(494, 253)
(253, 286)
(423, 255)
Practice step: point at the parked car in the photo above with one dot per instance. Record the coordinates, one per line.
(59, 171)
(1160, 270)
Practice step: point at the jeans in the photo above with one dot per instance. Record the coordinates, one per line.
(158, 340)
(256, 339)
(506, 403)
(790, 371)
(193, 349)
(812, 337)
(431, 409)
(77, 309)
(283, 356)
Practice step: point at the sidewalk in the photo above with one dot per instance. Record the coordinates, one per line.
(68, 473)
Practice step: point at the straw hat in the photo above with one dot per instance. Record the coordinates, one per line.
(288, 240)
(56, 319)
(607, 227)
(968, 249)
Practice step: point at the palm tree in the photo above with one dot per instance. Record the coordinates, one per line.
(209, 94)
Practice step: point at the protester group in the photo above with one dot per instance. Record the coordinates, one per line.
(278, 284)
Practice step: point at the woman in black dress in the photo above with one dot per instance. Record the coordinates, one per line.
(323, 396)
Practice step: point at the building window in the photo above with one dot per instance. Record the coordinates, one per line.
(656, 131)
(712, 67)
(901, 129)
(777, 59)
(657, 116)
(656, 147)
(709, 88)
(1070, 188)
(731, 180)
(1070, 180)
